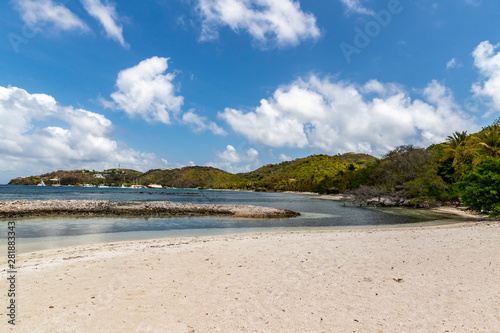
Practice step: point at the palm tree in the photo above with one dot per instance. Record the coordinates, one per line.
(489, 141)
(454, 146)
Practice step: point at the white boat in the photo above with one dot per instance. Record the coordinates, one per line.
(155, 186)
(103, 186)
(88, 185)
(41, 184)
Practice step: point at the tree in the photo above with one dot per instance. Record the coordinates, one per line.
(460, 148)
(454, 143)
(489, 141)
(480, 188)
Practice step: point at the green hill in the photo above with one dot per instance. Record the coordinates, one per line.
(303, 174)
(190, 177)
(115, 177)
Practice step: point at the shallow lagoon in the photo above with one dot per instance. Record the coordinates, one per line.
(54, 232)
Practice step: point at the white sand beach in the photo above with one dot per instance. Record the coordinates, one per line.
(425, 279)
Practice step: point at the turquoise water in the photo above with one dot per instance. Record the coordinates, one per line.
(54, 232)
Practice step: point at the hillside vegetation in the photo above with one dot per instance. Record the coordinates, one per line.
(465, 168)
(79, 177)
(303, 174)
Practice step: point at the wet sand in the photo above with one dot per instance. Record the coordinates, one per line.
(426, 279)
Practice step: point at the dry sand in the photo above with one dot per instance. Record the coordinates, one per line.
(430, 279)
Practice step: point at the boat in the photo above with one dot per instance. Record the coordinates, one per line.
(155, 186)
(41, 184)
(103, 186)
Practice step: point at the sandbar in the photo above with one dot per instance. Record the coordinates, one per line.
(30, 208)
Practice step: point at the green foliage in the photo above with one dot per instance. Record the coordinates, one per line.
(78, 177)
(466, 166)
(190, 177)
(317, 173)
(406, 175)
(480, 188)
(488, 141)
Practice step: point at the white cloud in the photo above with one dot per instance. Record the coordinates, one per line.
(280, 22)
(355, 7)
(232, 161)
(42, 13)
(488, 63)
(336, 117)
(200, 123)
(81, 139)
(108, 17)
(284, 157)
(143, 90)
(453, 63)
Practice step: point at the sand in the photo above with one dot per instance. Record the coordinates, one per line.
(426, 279)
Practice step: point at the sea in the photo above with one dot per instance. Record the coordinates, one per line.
(42, 233)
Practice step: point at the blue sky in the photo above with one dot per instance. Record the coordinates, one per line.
(237, 84)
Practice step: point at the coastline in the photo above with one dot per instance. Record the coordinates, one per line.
(452, 210)
(432, 278)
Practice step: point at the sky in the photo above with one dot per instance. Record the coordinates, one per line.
(237, 84)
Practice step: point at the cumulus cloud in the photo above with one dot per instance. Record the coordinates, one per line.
(145, 91)
(45, 13)
(337, 117)
(353, 6)
(232, 161)
(80, 139)
(279, 22)
(200, 124)
(108, 17)
(487, 60)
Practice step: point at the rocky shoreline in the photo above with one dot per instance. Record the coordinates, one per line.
(31, 208)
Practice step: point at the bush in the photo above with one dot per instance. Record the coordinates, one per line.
(480, 188)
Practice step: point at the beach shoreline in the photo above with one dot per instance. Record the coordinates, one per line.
(432, 278)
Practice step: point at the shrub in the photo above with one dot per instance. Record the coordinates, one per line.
(480, 188)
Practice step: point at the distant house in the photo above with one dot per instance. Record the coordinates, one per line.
(98, 175)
